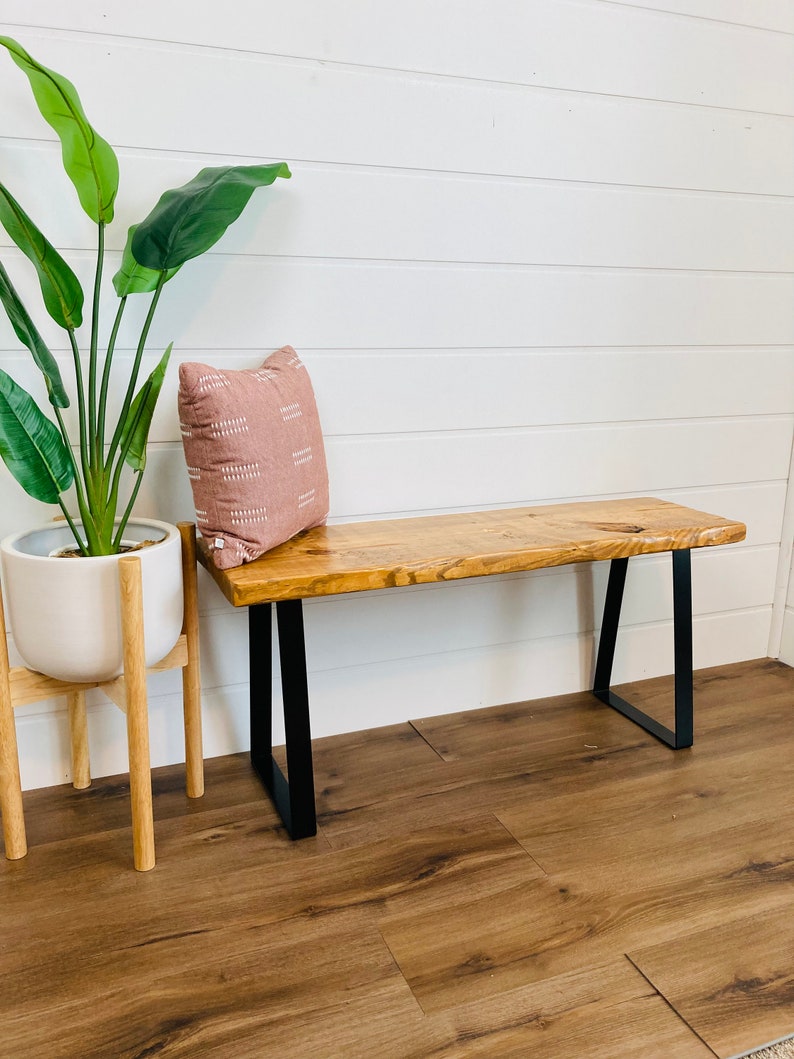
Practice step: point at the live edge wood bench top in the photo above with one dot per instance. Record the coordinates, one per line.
(359, 556)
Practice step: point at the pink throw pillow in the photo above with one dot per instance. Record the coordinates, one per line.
(255, 455)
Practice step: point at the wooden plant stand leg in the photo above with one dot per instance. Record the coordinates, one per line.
(191, 674)
(78, 734)
(137, 711)
(16, 845)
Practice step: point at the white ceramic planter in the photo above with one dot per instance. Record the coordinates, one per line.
(65, 615)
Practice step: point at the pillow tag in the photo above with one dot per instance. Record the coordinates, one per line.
(219, 542)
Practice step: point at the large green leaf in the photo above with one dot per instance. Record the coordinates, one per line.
(189, 220)
(139, 418)
(89, 161)
(60, 288)
(31, 445)
(27, 333)
(133, 278)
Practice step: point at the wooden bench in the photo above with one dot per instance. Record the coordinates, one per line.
(361, 556)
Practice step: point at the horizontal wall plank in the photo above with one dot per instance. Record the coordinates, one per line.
(765, 14)
(345, 212)
(310, 304)
(515, 672)
(717, 64)
(381, 118)
(380, 474)
(377, 476)
(371, 696)
(760, 506)
(492, 389)
(460, 680)
(787, 639)
(376, 627)
(381, 626)
(501, 220)
(232, 303)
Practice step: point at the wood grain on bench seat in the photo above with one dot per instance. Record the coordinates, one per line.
(388, 553)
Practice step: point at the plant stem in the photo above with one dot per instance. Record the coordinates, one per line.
(85, 512)
(78, 376)
(93, 357)
(135, 370)
(112, 478)
(73, 528)
(103, 400)
(114, 489)
(127, 511)
(103, 392)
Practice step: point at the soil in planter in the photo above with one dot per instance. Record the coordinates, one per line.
(73, 552)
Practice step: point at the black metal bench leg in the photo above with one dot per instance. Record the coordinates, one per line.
(293, 795)
(682, 624)
(682, 636)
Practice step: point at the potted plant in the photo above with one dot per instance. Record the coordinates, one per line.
(94, 477)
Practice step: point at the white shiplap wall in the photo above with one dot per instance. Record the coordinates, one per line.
(531, 252)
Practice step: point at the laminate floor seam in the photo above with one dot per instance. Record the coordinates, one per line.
(418, 731)
(528, 852)
(670, 1004)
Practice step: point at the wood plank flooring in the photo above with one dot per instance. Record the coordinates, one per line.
(539, 879)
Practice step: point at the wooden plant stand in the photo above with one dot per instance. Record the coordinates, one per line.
(19, 685)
